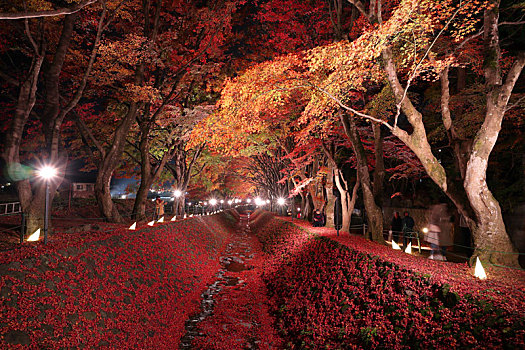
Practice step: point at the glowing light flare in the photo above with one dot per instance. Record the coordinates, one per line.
(213, 201)
(248, 200)
(34, 237)
(408, 249)
(281, 201)
(259, 201)
(395, 246)
(425, 230)
(479, 271)
(47, 172)
(134, 226)
(151, 223)
(177, 193)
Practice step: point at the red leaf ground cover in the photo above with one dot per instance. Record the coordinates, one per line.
(130, 289)
(328, 295)
(504, 287)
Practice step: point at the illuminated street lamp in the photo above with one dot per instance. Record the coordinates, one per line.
(281, 201)
(213, 202)
(47, 173)
(177, 193)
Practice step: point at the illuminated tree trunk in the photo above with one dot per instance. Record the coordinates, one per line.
(330, 198)
(482, 210)
(108, 164)
(374, 213)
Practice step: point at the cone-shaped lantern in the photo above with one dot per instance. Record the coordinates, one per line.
(479, 271)
(151, 223)
(174, 218)
(395, 245)
(134, 226)
(408, 249)
(161, 219)
(34, 237)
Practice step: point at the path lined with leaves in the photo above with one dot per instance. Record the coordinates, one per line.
(238, 317)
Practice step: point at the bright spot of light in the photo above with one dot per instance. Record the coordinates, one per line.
(479, 271)
(408, 249)
(134, 226)
(47, 172)
(177, 193)
(395, 246)
(34, 237)
(213, 201)
(151, 223)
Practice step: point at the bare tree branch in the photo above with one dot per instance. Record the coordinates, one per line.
(47, 13)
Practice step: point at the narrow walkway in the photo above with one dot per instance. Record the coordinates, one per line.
(234, 313)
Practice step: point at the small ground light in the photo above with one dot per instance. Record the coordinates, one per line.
(408, 249)
(34, 237)
(479, 271)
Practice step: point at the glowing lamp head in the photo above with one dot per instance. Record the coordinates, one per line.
(267, 201)
(425, 230)
(248, 200)
(47, 172)
(281, 201)
(222, 201)
(177, 193)
(230, 202)
(213, 201)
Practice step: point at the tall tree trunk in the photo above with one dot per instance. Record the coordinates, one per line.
(482, 211)
(489, 233)
(16, 172)
(379, 170)
(374, 213)
(108, 164)
(330, 198)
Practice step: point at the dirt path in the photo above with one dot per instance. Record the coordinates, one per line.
(234, 312)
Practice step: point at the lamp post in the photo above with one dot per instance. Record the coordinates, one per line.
(47, 173)
(281, 202)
